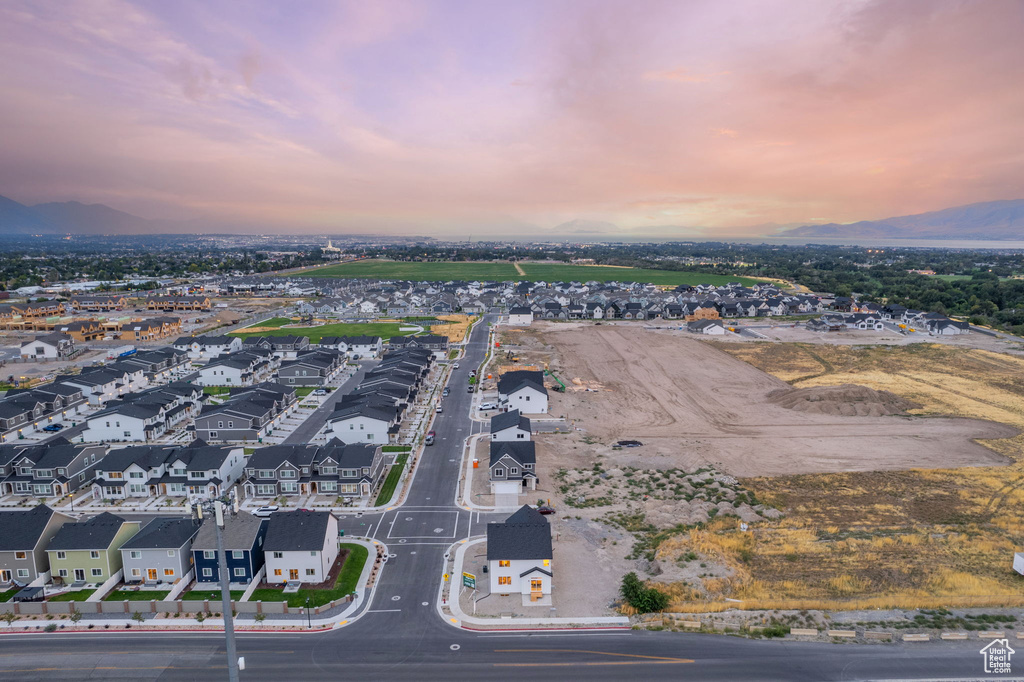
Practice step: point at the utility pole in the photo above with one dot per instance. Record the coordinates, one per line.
(216, 506)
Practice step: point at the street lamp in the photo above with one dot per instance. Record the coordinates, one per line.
(309, 626)
(216, 506)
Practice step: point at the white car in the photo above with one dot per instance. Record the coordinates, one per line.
(488, 406)
(455, 366)
(265, 512)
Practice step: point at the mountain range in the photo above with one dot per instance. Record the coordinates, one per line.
(992, 220)
(1002, 220)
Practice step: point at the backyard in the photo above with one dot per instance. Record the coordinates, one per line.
(137, 595)
(80, 595)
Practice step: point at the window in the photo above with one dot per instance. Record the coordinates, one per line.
(310, 571)
(97, 572)
(21, 555)
(287, 473)
(239, 572)
(266, 473)
(237, 554)
(209, 554)
(178, 471)
(63, 573)
(135, 555)
(348, 473)
(265, 489)
(170, 552)
(213, 434)
(328, 486)
(207, 572)
(328, 471)
(94, 554)
(277, 572)
(62, 555)
(278, 555)
(350, 488)
(168, 572)
(136, 572)
(513, 471)
(504, 564)
(313, 553)
(287, 487)
(220, 425)
(136, 474)
(115, 474)
(504, 580)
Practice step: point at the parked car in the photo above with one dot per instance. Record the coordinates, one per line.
(445, 392)
(320, 391)
(488, 406)
(429, 440)
(471, 388)
(53, 428)
(439, 409)
(455, 366)
(629, 443)
(264, 512)
(545, 510)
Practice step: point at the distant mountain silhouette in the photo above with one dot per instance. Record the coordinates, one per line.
(1003, 220)
(73, 217)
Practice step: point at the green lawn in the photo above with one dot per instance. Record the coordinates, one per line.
(500, 270)
(346, 583)
(438, 272)
(552, 272)
(391, 482)
(395, 448)
(80, 595)
(216, 390)
(137, 595)
(6, 596)
(951, 278)
(385, 330)
(303, 391)
(212, 595)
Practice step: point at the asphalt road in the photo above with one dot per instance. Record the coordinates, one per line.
(309, 428)
(401, 636)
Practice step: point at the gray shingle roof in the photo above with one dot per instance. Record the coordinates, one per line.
(20, 530)
(506, 420)
(524, 535)
(296, 531)
(163, 534)
(96, 533)
(240, 533)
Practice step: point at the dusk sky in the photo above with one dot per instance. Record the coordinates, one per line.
(501, 118)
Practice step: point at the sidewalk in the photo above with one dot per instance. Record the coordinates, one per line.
(452, 613)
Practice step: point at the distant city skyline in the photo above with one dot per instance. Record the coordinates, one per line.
(685, 119)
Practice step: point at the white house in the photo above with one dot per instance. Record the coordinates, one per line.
(245, 368)
(510, 426)
(300, 546)
(520, 316)
(208, 346)
(513, 467)
(364, 424)
(48, 347)
(519, 556)
(523, 390)
(125, 423)
(710, 327)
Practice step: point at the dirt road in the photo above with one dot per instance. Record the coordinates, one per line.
(692, 404)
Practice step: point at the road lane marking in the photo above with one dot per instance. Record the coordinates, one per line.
(645, 658)
(385, 611)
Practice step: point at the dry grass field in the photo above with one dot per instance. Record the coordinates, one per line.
(914, 538)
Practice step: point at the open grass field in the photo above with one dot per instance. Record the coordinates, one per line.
(385, 330)
(500, 270)
(887, 539)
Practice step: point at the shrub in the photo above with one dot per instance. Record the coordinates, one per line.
(643, 599)
(52, 627)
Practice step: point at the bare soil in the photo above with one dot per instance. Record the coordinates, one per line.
(694, 405)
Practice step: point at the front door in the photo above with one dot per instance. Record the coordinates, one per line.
(151, 572)
(293, 574)
(79, 574)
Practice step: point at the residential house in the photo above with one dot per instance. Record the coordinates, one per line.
(312, 368)
(350, 471)
(364, 423)
(54, 346)
(301, 546)
(510, 426)
(243, 536)
(513, 466)
(523, 390)
(243, 368)
(98, 304)
(248, 415)
(145, 471)
(161, 552)
(169, 303)
(52, 469)
(519, 555)
(710, 327)
(199, 347)
(81, 330)
(89, 551)
(24, 535)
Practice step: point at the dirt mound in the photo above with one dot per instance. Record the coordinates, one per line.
(848, 400)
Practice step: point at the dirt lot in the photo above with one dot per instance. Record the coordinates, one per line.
(692, 404)
(894, 526)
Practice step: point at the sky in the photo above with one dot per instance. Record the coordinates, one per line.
(633, 117)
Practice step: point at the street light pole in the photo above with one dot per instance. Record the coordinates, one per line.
(216, 506)
(308, 624)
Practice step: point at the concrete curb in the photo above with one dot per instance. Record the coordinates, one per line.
(460, 619)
